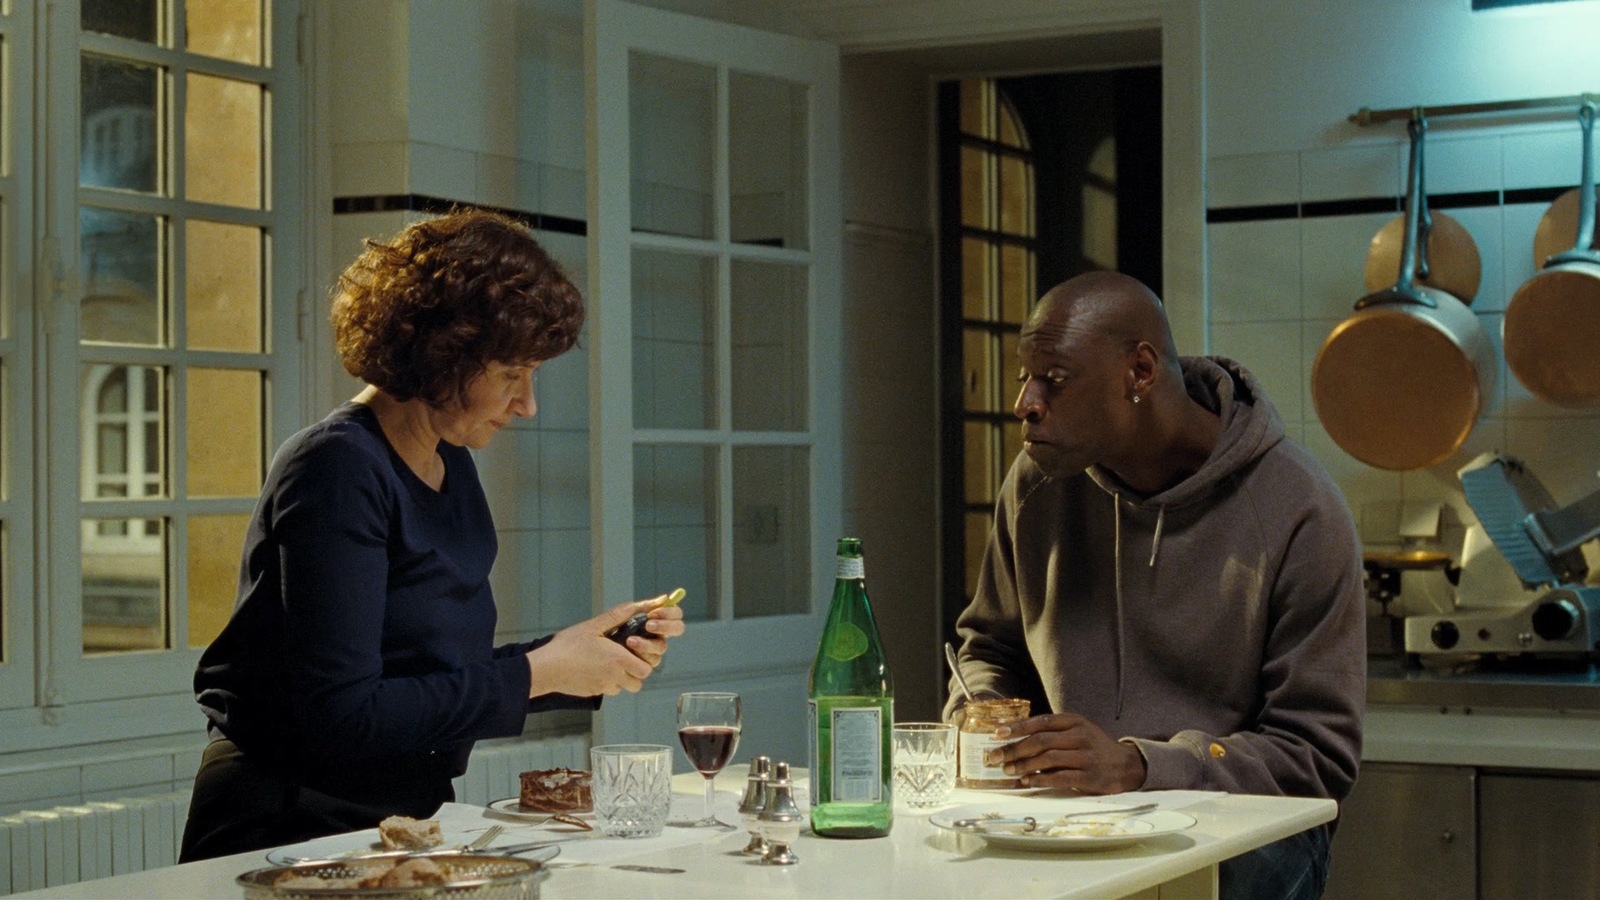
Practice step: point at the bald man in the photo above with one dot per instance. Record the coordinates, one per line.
(1173, 583)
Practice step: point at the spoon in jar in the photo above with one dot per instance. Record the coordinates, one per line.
(950, 657)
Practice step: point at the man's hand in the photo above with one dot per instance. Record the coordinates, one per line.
(1065, 750)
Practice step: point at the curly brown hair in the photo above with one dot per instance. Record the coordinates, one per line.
(422, 314)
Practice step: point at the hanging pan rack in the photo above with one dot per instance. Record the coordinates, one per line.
(1368, 116)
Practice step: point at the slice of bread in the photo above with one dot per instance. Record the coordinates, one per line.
(406, 833)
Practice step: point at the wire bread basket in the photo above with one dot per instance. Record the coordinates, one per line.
(466, 876)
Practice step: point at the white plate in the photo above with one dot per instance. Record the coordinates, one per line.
(354, 842)
(512, 806)
(1120, 831)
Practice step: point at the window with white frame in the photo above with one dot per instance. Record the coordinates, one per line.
(151, 148)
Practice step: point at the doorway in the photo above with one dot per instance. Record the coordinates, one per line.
(1040, 178)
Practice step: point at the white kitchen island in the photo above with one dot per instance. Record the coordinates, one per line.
(916, 860)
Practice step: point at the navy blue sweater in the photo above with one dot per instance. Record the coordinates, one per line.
(363, 635)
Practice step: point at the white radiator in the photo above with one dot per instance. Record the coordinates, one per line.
(492, 773)
(68, 844)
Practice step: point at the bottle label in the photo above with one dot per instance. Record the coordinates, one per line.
(857, 754)
(852, 567)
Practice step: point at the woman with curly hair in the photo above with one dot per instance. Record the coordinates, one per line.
(359, 667)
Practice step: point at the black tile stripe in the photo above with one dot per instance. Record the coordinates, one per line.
(1355, 206)
(1362, 205)
(1464, 200)
(1253, 213)
(1537, 195)
(423, 203)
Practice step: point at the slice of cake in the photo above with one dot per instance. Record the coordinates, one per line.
(556, 791)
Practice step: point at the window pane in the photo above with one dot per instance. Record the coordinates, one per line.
(672, 133)
(226, 29)
(977, 284)
(1016, 196)
(120, 263)
(222, 286)
(1010, 128)
(979, 364)
(769, 347)
(767, 141)
(1008, 365)
(674, 340)
(134, 19)
(675, 525)
(1010, 446)
(215, 546)
(978, 462)
(975, 96)
(118, 141)
(124, 585)
(124, 420)
(1017, 290)
(977, 540)
(224, 432)
(975, 188)
(222, 141)
(771, 531)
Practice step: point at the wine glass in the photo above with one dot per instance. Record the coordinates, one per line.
(708, 728)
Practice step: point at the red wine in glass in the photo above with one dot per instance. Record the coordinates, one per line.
(709, 747)
(708, 728)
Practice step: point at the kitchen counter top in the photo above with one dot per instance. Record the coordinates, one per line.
(1487, 717)
(1570, 687)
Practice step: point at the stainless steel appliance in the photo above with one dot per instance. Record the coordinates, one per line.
(1552, 613)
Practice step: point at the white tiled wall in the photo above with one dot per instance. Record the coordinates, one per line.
(1278, 286)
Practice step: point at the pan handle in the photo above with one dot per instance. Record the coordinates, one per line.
(1418, 222)
(1583, 250)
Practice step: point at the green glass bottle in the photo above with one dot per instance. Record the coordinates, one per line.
(852, 712)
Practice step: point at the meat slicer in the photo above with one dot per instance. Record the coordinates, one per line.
(1552, 612)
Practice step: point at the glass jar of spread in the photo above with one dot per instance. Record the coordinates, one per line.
(976, 739)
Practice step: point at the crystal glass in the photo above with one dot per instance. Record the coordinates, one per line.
(632, 788)
(924, 762)
(708, 728)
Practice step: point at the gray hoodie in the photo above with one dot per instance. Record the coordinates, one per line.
(1218, 625)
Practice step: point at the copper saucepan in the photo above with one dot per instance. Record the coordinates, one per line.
(1558, 228)
(1447, 258)
(1552, 324)
(1400, 384)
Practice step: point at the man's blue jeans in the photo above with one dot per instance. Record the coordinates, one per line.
(1295, 868)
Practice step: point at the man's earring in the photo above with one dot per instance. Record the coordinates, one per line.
(1136, 398)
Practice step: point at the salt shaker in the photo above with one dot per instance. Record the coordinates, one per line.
(780, 819)
(753, 802)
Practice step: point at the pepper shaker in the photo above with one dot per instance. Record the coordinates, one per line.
(753, 802)
(780, 819)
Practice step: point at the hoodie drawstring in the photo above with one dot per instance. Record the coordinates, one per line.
(1155, 550)
(1155, 545)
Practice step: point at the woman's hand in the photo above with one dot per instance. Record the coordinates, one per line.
(664, 620)
(581, 661)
